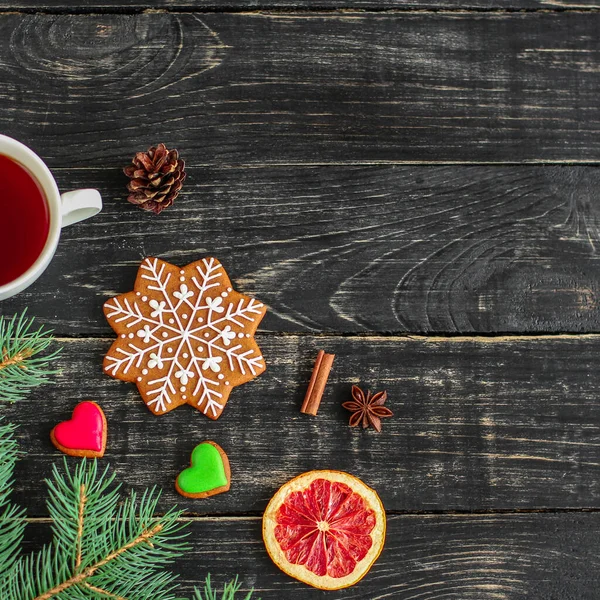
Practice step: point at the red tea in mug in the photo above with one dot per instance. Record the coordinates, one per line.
(24, 220)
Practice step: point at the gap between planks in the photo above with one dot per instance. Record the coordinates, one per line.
(301, 11)
(190, 517)
(488, 338)
(373, 163)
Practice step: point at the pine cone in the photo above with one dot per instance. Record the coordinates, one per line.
(156, 178)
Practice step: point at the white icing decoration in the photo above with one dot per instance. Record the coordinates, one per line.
(155, 361)
(227, 335)
(145, 333)
(184, 375)
(159, 307)
(207, 331)
(215, 304)
(221, 376)
(183, 293)
(224, 294)
(212, 363)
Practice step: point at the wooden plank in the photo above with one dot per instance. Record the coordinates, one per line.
(254, 5)
(298, 88)
(479, 423)
(477, 557)
(350, 249)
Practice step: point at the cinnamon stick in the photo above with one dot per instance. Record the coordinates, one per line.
(316, 385)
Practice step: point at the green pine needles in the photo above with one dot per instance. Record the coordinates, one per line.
(229, 591)
(20, 366)
(105, 546)
(12, 519)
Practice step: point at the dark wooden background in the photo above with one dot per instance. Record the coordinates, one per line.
(411, 185)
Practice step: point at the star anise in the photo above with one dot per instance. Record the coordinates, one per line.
(367, 408)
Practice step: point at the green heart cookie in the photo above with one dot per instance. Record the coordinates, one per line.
(208, 473)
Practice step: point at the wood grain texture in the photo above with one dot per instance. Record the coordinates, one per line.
(253, 5)
(312, 142)
(298, 88)
(479, 424)
(350, 249)
(493, 557)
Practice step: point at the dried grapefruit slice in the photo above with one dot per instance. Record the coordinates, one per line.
(325, 528)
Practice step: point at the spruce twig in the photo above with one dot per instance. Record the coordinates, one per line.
(12, 519)
(81, 578)
(103, 546)
(20, 366)
(80, 523)
(229, 591)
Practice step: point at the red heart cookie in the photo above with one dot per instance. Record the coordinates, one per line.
(84, 434)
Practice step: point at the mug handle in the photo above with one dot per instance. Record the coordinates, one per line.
(79, 205)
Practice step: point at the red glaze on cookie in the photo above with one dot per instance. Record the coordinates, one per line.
(84, 431)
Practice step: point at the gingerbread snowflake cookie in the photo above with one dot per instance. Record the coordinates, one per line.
(185, 336)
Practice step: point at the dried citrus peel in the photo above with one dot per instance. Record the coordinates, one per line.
(325, 528)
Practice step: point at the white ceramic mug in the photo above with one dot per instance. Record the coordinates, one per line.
(64, 210)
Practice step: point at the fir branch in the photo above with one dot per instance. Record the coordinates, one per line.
(229, 591)
(12, 522)
(80, 579)
(103, 593)
(80, 522)
(20, 367)
(102, 547)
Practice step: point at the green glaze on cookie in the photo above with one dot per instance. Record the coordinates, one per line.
(206, 473)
